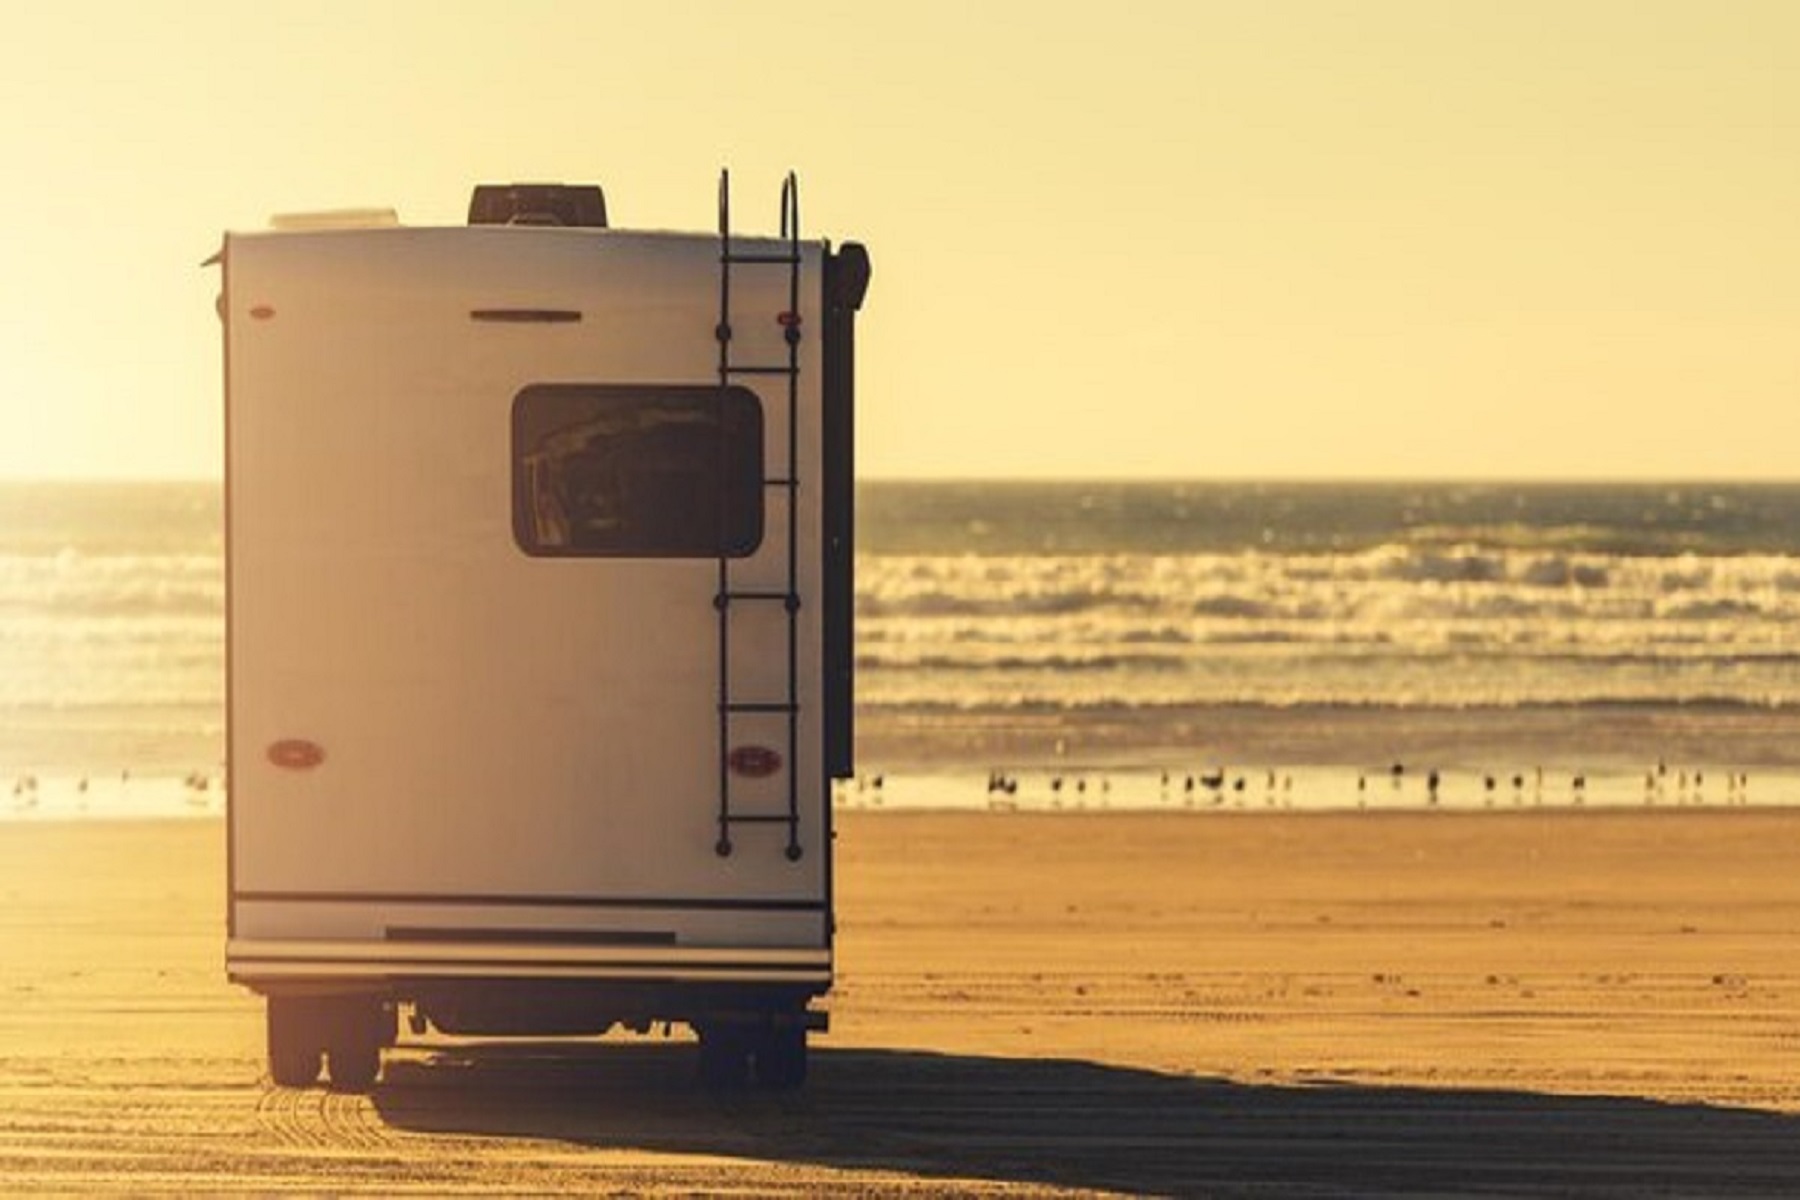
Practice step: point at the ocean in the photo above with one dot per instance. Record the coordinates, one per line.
(1457, 596)
(1298, 641)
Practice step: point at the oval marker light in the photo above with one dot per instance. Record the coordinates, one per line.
(263, 312)
(296, 754)
(753, 762)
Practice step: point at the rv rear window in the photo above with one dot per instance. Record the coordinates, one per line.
(620, 471)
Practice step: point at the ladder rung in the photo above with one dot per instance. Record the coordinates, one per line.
(760, 370)
(781, 482)
(755, 819)
(760, 259)
(789, 600)
(758, 707)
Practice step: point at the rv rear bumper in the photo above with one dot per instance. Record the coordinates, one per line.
(293, 964)
(543, 990)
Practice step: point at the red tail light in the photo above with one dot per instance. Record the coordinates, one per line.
(296, 754)
(753, 762)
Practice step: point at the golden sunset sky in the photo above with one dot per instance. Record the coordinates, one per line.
(1285, 238)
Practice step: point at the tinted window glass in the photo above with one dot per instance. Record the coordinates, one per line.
(637, 472)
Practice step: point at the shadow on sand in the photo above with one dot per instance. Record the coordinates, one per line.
(1083, 1125)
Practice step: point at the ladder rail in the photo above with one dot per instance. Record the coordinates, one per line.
(790, 332)
(789, 483)
(722, 334)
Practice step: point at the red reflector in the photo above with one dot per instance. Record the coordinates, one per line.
(296, 754)
(262, 312)
(789, 319)
(754, 762)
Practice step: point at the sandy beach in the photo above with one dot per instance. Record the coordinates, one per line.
(1340, 1003)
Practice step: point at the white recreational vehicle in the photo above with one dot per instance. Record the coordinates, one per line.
(539, 628)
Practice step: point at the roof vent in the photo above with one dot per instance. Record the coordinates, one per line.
(538, 204)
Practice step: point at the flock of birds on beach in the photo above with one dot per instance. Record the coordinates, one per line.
(1684, 786)
(1216, 787)
(28, 791)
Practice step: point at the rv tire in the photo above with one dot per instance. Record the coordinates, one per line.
(295, 1053)
(359, 1027)
(355, 1063)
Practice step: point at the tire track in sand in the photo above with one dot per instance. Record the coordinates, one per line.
(319, 1118)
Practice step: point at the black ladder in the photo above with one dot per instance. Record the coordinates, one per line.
(786, 482)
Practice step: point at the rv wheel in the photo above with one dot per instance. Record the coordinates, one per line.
(724, 1056)
(781, 1058)
(360, 1028)
(355, 1062)
(294, 1051)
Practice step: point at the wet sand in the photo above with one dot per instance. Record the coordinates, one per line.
(1617, 737)
(1232, 1004)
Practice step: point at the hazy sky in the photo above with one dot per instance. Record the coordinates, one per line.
(1260, 238)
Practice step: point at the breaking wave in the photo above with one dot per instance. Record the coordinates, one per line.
(1396, 624)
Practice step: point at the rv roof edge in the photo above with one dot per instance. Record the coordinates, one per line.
(337, 218)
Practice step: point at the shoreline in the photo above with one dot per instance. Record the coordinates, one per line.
(1265, 758)
(1074, 788)
(141, 742)
(1613, 736)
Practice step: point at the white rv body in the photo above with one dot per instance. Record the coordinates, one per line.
(518, 786)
